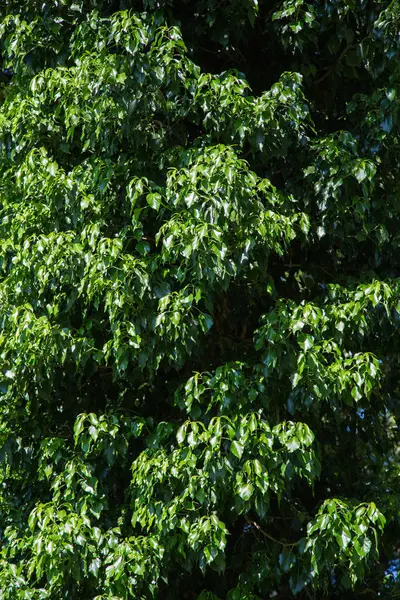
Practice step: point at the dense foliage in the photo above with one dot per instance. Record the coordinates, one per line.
(199, 299)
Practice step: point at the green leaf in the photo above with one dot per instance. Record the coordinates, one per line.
(297, 326)
(154, 200)
(237, 449)
(245, 492)
(95, 566)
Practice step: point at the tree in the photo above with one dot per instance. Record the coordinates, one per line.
(200, 299)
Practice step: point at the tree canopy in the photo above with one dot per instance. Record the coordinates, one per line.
(199, 299)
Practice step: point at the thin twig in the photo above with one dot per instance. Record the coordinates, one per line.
(267, 535)
(341, 55)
